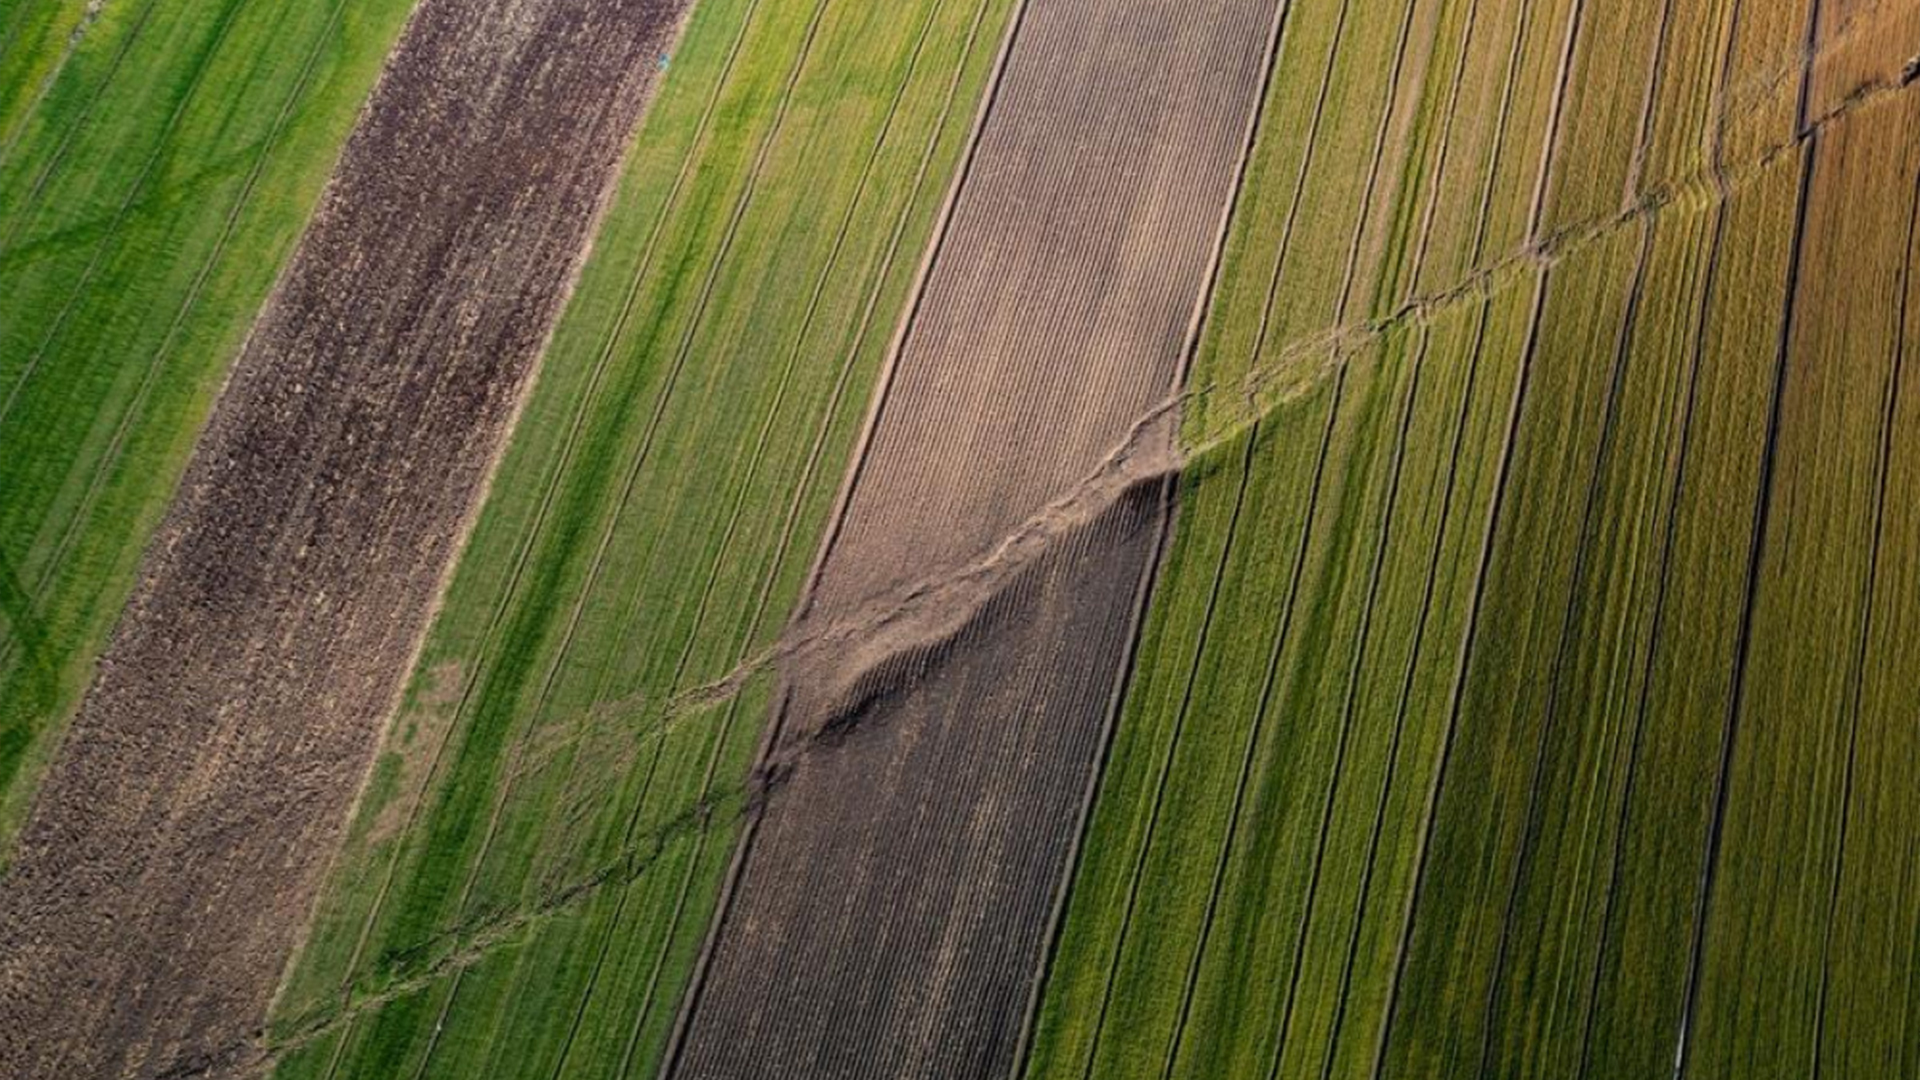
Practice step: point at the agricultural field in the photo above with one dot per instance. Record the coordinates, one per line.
(959, 538)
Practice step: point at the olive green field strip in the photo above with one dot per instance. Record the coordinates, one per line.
(1519, 695)
(182, 831)
(157, 164)
(530, 874)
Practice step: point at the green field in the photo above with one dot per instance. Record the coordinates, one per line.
(532, 871)
(156, 170)
(1520, 684)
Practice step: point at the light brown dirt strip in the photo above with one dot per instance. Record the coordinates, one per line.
(891, 900)
(174, 850)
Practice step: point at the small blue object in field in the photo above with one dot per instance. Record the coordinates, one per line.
(664, 57)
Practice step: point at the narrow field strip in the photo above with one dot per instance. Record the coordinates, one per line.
(1869, 961)
(639, 460)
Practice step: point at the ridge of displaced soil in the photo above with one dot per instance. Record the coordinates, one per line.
(180, 834)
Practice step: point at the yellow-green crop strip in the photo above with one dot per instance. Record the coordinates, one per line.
(157, 163)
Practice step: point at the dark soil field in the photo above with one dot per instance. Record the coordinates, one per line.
(169, 863)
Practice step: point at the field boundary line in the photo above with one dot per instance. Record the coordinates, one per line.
(1403, 701)
(1470, 631)
(1468, 639)
(1290, 998)
(1491, 1007)
(1258, 723)
(1807, 139)
(1714, 136)
(1543, 182)
(1649, 104)
(1165, 771)
(1648, 670)
(1580, 577)
(1442, 156)
(1428, 815)
(1253, 360)
(1402, 706)
(1123, 681)
(1354, 690)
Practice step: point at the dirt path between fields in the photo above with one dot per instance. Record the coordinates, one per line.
(888, 910)
(177, 841)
